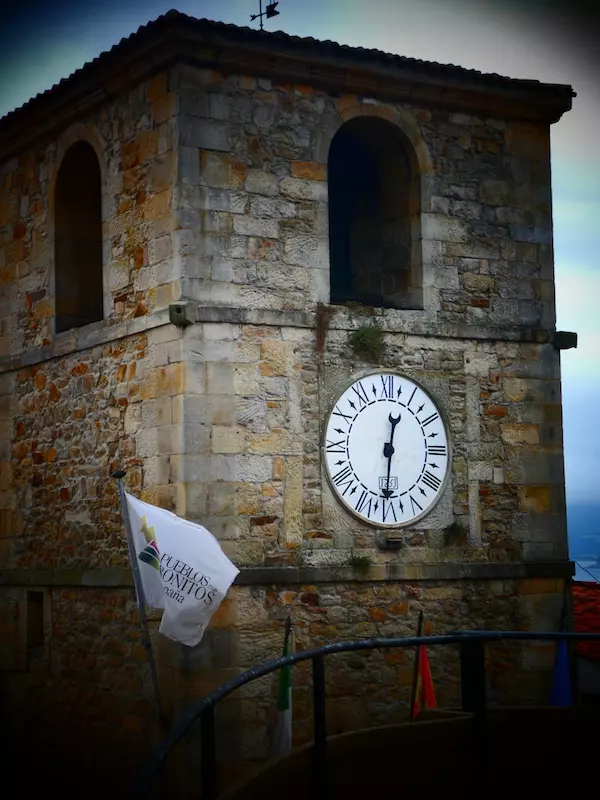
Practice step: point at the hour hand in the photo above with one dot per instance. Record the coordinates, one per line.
(388, 452)
(393, 421)
(388, 447)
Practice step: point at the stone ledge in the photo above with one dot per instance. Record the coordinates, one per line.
(79, 339)
(110, 577)
(415, 323)
(252, 576)
(265, 317)
(261, 576)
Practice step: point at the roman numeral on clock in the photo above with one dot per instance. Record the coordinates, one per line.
(343, 477)
(429, 419)
(387, 386)
(414, 505)
(336, 447)
(436, 450)
(359, 391)
(363, 506)
(337, 413)
(432, 481)
(385, 511)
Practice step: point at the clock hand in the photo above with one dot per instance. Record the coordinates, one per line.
(388, 452)
(388, 447)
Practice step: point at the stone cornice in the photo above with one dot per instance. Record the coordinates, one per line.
(177, 38)
(267, 576)
(77, 340)
(409, 323)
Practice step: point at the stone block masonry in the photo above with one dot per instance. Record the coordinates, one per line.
(262, 168)
(261, 408)
(134, 140)
(370, 687)
(85, 690)
(215, 192)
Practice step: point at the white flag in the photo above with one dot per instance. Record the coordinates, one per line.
(183, 569)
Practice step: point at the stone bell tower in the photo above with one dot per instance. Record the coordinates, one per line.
(267, 221)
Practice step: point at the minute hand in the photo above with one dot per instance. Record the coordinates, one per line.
(388, 452)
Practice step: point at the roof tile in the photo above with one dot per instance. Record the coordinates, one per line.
(325, 48)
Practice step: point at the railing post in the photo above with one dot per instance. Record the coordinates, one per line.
(472, 676)
(474, 700)
(320, 772)
(208, 754)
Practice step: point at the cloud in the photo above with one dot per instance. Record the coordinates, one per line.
(578, 297)
(578, 309)
(576, 242)
(581, 439)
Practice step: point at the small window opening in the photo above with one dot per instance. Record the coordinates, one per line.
(35, 619)
(78, 239)
(374, 216)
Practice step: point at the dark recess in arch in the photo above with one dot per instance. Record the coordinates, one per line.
(78, 239)
(374, 216)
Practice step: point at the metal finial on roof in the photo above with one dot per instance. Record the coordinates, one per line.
(269, 12)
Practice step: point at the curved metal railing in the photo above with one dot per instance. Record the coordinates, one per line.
(473, 695)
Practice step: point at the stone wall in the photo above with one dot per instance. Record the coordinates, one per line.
(73, 419)
(253, 178)
(215, 193)
(86, 691)
(134, 139)
(267, 390)
(363, 688)
(74, 406)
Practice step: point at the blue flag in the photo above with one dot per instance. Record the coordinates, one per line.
(560, 694)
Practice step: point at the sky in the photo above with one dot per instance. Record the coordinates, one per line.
(43, 41)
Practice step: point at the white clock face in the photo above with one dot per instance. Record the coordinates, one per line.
(386, 450)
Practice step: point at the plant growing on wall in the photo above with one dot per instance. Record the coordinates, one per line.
(360, 563)
(367, 341)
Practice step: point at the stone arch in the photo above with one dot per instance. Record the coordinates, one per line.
(349, 107)
(77, 212)
(375, 205)
(82, 132)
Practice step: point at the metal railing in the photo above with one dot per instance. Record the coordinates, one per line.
(473, 698)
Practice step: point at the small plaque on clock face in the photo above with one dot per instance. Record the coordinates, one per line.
(386, 450)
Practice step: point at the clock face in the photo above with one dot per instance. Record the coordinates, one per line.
(386, 450)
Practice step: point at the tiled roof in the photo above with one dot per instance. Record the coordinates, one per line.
(304, 47)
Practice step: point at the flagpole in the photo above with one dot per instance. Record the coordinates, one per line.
(413, 698)
(282, 740)
(119, 474)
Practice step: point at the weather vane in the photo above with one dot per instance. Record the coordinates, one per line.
(269, 12)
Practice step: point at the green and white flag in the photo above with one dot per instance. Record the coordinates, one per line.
(282, 741)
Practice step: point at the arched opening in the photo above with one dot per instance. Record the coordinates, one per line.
(78, 239)
(374, 216)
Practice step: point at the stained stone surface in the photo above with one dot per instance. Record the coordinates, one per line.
(215, 191)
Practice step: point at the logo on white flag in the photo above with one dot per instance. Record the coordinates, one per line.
(178, 577)
(187, 572)
(151, 553)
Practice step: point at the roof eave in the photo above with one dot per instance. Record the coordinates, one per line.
(136, 59)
